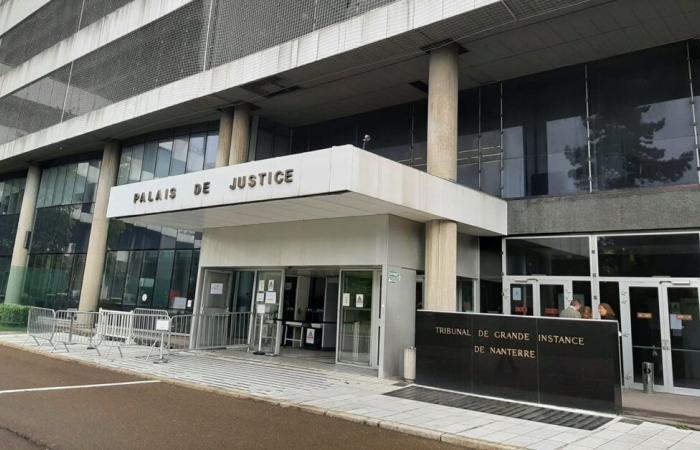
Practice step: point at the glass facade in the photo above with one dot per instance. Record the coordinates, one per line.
(65, 205)
(11, 193)
(623, 122)
(156, 267)
(670, 255)
(170, 153)
(150, 267)
(548, 256)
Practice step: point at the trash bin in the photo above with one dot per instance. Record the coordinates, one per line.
(409, 364)
(648, 377)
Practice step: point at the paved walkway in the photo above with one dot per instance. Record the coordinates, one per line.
(359, 397)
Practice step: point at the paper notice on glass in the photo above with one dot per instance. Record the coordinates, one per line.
(310, 335)
(216, 288)
(517, 294)
(359, 300)
(270, 297)
(260, 297)
(179, 302)
(346, 299)
(261, 285)
(270, 285)
(260, 309)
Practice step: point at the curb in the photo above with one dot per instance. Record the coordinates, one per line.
(388, 425)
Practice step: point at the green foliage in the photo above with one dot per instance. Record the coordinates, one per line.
(13, 314)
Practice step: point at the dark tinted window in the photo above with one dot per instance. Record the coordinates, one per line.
(544, 121)
(550, 256)
(641, 119)
(675, 255)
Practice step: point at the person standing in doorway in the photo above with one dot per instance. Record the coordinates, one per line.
(572, 311)
(586, 312)
(606, 312)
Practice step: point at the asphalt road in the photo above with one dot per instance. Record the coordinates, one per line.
(157, 415)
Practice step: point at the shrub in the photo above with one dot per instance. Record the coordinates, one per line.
(13, 314)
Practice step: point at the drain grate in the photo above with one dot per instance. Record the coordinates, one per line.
(502, 408)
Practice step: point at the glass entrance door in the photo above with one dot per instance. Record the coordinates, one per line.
(641, 331)
(266, 324)
(660, 324)
(682, 348)
(537, 297)
(355, 316)
(217, 291)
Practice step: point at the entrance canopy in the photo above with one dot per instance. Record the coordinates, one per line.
(336, 182)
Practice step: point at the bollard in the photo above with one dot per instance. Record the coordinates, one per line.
(648, 377)
(409, 364)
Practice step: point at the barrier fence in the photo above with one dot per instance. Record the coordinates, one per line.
(140, 327)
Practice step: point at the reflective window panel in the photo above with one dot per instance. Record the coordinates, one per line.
(544, 122)
(672, 255)
(548, 256)
(641, 119)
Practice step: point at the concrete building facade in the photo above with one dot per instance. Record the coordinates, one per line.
(325, 168)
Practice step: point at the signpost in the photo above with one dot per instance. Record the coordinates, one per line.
(565, 362)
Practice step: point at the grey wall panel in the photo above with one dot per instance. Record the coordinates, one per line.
(640, 209)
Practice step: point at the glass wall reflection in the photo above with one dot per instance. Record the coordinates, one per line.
(65, 206)
(541, 134)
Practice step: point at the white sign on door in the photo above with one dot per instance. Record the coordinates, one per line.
(346, 299)
(310, 335)
(517, 294)
(216, 288)
(261, 285)
(271, 297)
(270, 285)
(359, 300)
(260, 297)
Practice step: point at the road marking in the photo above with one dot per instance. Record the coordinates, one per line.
(82, 386)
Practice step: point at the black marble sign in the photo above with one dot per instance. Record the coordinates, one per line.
(574, 363)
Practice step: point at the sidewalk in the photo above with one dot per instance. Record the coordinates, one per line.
(361, 397)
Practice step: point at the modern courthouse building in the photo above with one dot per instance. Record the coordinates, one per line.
(328, 167)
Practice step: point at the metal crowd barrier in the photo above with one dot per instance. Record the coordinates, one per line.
(76, 327)
(209, 330)
(41, 324)
(117, 329)
(145, 319)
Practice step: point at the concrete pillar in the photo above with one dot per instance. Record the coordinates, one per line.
(240, 135)
(25, 223)
(97, 245)
(441, 235)
(225, 125)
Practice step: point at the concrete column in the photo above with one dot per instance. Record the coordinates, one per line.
(225, 125)
(441, 235)
(25, 223)
(240, 135)
(97, 245)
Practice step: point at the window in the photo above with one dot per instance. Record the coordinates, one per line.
(548, 256)
(671, 255)
(60, 234)
(545, 133)
(465, 295)
(191, 150)
(641, 120)
(195, 156)
(491, 275)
